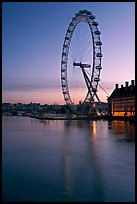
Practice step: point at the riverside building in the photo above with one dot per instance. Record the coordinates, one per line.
(122, 100)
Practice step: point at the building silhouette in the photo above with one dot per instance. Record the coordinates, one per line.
(122, 100)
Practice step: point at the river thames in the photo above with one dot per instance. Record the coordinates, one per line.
(62, 161)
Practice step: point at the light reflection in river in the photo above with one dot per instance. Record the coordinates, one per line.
(68, 160)
(124, 129)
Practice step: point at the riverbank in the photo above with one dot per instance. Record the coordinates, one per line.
(104, 117)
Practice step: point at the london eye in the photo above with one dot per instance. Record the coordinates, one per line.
(81, 59)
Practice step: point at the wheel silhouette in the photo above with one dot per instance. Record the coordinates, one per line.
(81, 59)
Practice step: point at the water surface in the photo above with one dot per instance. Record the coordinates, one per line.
(67, 160)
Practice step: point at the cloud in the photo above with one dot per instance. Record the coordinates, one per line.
(37, 84)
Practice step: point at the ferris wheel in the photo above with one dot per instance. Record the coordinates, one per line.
(81, 59)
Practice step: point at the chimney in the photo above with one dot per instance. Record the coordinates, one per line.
(126, 83)
(132, 82)
(116, 86)
(121, 86)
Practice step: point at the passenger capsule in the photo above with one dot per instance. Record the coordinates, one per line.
(63, 53)
(92, 17)
(69, 31)
(85, 11)
(63, 85)
(94, 90)
(98, 67)
(66, 38)
(99, 55)
(66, 99)
(82, 11)
(99, 43)
(77, 14)
(97, 32)
(96, 79)
(65, 45)
(71, 24)
(95, 23)
(89, 13)
(63, 62)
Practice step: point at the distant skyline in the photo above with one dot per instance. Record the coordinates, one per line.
(32, 39)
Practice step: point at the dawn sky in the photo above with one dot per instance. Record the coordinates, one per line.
(32, 40)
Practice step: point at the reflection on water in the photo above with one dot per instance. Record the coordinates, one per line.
(124, 129)
(68, 160)
(96, 190)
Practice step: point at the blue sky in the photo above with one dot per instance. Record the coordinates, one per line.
(32, 39)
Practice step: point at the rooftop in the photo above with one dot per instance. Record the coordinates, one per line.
(128, 90)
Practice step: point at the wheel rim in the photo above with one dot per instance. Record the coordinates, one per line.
(72, 79)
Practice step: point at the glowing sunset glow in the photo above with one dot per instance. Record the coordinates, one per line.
(32, 40)
(35, 97)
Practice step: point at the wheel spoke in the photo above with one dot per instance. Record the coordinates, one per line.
(81, 59)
